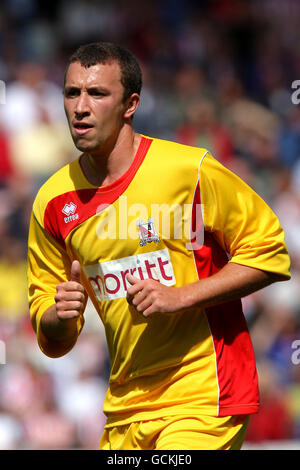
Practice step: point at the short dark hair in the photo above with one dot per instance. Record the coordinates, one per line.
(105, 52)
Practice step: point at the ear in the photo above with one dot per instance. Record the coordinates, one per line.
(131, 105)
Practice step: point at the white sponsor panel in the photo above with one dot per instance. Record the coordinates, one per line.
(108, 279)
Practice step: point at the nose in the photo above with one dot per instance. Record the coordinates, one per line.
(82, 106)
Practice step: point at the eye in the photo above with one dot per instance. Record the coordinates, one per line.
(71, 92)
(97, 92)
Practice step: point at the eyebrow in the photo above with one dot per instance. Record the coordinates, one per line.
(98, 88)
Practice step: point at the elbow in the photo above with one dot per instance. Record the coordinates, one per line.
(277, 277)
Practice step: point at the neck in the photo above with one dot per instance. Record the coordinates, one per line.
(110, 164)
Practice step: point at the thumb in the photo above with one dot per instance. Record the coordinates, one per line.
(75, 271)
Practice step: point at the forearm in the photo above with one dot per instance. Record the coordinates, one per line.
(232, 282)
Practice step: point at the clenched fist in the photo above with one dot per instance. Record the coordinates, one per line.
(150, 296)
(70, 296)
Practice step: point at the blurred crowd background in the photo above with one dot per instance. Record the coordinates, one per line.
(217, 74)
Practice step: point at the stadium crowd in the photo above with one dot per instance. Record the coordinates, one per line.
(217, 74)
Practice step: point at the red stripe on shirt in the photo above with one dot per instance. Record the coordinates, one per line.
(235, 361)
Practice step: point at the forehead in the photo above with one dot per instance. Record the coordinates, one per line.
(108, 74)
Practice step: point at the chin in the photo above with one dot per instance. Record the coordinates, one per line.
(85, 146)
(88, 146)
(82, 147)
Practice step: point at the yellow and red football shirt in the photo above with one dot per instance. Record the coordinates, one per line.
(177, 216)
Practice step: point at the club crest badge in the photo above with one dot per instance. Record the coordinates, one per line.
(147, 232)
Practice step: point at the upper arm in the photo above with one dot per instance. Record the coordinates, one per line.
(243, 224)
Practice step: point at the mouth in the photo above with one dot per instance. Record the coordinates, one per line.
(82, 128)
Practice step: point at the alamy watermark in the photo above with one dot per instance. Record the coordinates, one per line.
(2, 352)
(295, 357)
(2, 92)
(139, 222)
(295, 97)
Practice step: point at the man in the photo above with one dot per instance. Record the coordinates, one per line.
(165, 241)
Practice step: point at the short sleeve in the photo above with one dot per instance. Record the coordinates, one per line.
(241, 221)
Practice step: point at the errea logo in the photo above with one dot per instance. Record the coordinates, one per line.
(69, 211)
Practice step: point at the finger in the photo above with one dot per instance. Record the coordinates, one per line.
(131, 295)
(75, 271)
(136, 284)
(68, 296)
(132, 279)
(133, 290)
(79, 296)
(142, 306)
(148, 311)
(72, 305)
(68, 314)
(71, 286)
(139, 297)
(136, 294)
(68, 304)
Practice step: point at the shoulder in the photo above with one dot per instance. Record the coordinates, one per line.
(62, 181)
(176, 148)
(176, 156)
